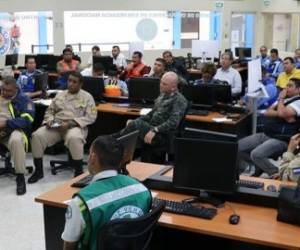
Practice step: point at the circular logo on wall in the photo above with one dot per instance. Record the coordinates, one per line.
(127, 212)
(146, 29)
(4, 41)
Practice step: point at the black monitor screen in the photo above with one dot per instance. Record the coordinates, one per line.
(221, 92)
(198, 94)
(43, 60)
(205, 165)
(106, 61)
(209, 135)
(94, 85)
(242, 52)
(128, 142)
(143, 89)
(52, 64)
(11, 59)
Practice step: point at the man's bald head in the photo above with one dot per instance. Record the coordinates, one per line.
(168, 83)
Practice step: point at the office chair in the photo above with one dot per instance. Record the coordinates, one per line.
(162, 154)
(5, 156)
(129, 234)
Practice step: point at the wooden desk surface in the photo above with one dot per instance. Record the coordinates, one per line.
(257, 224)
(112, 108)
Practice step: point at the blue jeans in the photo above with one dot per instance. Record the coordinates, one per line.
(258, 148)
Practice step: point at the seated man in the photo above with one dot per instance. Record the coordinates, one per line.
(264, 58)
(67, 64)
(67, 118)
(289, 72)
(297, 58)
(119, 60)
(158, 68)
(26, 80)
(289, 169)
(95, 52)
(136, 68)
(228, 74)
(113, 80)
(174, 65)
(119, 196)
(275, 66)
(208, 71)
(284, 113)
(163, 120)
(16, 117)
(97, 70)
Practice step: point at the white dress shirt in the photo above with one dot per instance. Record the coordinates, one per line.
(120, 61)
(232, 76)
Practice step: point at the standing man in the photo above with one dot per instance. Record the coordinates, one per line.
(26, 80)
(228, 74)
(158, 125)
(67, 118)
(109, 196)
(16, 116)
(118, 58)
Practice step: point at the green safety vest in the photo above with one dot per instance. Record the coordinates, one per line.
(110, 198)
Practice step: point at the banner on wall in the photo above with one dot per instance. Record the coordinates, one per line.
(5, 41)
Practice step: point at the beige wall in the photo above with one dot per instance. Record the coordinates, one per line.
(254, 6)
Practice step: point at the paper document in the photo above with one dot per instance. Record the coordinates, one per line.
(145, 111)
(45, 102)
(222, 119)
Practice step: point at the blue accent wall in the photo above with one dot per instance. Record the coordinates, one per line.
(42, 22)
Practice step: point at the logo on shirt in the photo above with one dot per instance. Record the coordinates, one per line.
(4, 41)
(127, 212)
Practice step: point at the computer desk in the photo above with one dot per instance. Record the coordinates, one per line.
(112, 117)
(257, 226)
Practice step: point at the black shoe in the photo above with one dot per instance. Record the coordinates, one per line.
(258, 172)
(77, 165)
(39, 172)
(21, 186)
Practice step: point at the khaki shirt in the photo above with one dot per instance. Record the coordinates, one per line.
(4, 111)
(79, 107)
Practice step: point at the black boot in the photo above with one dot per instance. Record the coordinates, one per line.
(257, 172)
(39, 172)
(77, 165)
(21, 186)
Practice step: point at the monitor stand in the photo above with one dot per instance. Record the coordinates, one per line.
(205, 197)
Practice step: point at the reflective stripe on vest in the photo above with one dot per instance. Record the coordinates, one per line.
(115, 195)
(28, 116)
(11, 110)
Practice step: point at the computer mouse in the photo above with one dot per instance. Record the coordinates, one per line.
(234, 219)
(272, 188)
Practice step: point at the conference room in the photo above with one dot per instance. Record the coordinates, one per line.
(150, 125)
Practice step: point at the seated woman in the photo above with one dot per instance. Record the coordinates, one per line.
(208, 71)
(289, 168)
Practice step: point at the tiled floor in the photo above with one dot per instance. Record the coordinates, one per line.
(21, 223)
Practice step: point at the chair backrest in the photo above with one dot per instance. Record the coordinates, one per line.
(129, 234)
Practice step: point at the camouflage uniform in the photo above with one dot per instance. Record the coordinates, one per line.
(79, 108)
(163, 119)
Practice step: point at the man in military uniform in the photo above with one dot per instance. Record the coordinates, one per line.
(16, 115)
(109, 196)
(66, 118)
(157, 126)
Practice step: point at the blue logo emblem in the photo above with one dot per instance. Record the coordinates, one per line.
(4, 41)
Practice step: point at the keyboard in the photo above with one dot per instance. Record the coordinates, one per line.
(83, 182)
(187, 209)
(198, 112)
(251, 184)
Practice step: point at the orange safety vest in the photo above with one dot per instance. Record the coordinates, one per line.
(69, 66)
(135, 71)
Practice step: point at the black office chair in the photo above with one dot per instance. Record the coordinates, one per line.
(5, 156)
(163, 154)
(129, 234)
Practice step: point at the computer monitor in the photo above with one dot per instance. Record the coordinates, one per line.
(11, 59)
(52, 64)
(207, 166)
(41, 81)
(208, 135)
(243, 53)
(198, 94)
(128, 142)
(43, 60)
(143, 89)
(221, 92)
(95, 86)
(106, 61)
